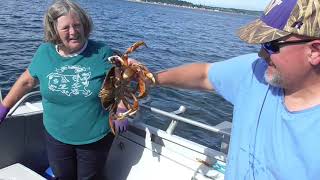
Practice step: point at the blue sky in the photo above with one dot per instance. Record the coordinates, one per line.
(240, 4)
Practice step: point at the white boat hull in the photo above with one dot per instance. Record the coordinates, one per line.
(143, 152)
(156, 157)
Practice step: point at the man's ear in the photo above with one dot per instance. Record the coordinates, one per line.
(314, 57)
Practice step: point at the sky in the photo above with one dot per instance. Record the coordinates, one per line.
(239, 4)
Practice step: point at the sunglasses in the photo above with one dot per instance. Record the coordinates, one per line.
(274, 46)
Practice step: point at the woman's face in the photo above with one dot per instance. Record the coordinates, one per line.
(71, 33)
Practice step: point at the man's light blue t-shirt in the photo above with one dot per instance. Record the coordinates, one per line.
(268, 142)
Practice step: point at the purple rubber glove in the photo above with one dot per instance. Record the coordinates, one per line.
(3, 112)
(120, 126)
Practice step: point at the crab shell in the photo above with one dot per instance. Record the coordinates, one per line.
(117, 85)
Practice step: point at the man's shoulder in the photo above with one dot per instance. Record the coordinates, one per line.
(249, 58)
(253, 60)
(243, 63)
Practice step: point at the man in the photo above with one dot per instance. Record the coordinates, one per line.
(276, 95)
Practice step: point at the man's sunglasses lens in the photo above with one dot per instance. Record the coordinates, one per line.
(271, 47)
(274, 46)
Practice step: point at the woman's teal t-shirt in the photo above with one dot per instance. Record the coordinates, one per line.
(72, 111)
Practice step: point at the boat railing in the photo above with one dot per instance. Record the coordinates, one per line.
(176, 118)
(173, 115)
(23, 100)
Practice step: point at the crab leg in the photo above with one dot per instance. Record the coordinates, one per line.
(126, 103)
(131, 111)
(141, 86)
(112, 115)
(135, 46)
(130, 50)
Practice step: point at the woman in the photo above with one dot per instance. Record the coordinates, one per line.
(70, 69)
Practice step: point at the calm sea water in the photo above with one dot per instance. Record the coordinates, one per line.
(174, 36)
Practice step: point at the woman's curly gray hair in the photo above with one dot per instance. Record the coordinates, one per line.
(61, 8)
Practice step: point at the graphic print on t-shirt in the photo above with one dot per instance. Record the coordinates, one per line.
(70, 80)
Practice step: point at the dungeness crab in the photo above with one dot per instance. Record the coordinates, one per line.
(117, 86)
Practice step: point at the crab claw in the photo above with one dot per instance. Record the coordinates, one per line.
(117, 60)
(150, 76)
(135, 46)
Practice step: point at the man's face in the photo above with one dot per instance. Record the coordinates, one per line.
(287, 63)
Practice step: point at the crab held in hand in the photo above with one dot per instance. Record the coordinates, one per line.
(117, 86)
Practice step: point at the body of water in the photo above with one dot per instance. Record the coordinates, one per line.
(174, 36)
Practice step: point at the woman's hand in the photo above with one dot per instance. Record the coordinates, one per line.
(120, 126)
(3, 112)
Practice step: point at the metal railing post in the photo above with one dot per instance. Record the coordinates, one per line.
(174, 122)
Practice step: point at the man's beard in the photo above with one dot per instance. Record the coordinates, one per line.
(273, 79)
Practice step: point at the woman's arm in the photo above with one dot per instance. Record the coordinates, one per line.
(23, 85)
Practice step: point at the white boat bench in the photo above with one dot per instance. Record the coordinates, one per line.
(18, 171)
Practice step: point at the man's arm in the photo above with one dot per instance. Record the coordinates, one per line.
(190, 76)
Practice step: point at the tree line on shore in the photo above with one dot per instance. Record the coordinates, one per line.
(188, 4)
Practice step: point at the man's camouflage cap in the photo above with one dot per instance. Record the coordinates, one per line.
(284, 17)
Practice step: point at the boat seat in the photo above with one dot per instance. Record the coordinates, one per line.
(18, 171)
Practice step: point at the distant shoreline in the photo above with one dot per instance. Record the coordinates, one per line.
(173, 5)
(222, 10)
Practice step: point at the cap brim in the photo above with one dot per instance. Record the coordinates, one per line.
(258, 32)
